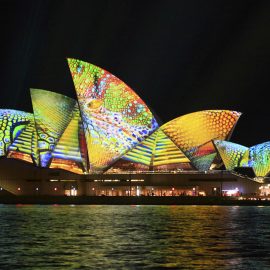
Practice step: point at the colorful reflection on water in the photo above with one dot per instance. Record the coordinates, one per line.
(134, 237)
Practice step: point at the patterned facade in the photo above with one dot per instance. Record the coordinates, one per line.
(109, 126)
(256, 157)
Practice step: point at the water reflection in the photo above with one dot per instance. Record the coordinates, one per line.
(134, 237)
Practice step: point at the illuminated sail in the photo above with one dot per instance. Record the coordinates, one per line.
(156, 150)
(115, 118)
(52, 112)
(196, 129)
(202, 156)
(12, 123)
(231, 153)
(67, 153)
(24, 146)
(259, 159)
(203, 163)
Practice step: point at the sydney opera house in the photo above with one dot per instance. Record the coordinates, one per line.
(108, 142)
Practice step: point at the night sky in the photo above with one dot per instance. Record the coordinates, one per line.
(179, 56)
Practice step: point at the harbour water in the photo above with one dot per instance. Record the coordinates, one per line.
(134, 237)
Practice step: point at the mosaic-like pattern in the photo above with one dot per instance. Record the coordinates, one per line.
(245, 159)
(24, 146)
(259, 159)
(142, 153)
(231, 154)
(156, 150)
(12, 123)
(166, 152)
(202, 156)
(192, 130)
(115, 118)
(67, 153)
(52, 112)
(203, 163)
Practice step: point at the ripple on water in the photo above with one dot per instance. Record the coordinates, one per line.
(128, 237)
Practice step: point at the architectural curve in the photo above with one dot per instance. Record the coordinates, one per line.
(12, 124)
(24, 146)
(191, 131)
(52, 112)
(156, 151)
(259, 158)
(232, 154)
(115, 118)
(69, 151)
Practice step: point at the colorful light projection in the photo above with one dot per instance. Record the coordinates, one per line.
(115, 118)
(52, 112)
(166, 152)
(24, 146)
(191, 131)
(259, 159)
(157, 150)
(233, 155)
(12, 123)
(202, 156)
(67, 153)
(204, 163)
(142, 153)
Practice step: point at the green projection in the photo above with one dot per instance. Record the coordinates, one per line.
(203, 163)
(156, 150)
(202, 156)
(12, 123)
(232, 154)
(67, 153)
(52, 112)
(191, 131)
(111, 125)
(143, 152)
(24, 146)
(235, 155)
(115, 118)
(259, 159)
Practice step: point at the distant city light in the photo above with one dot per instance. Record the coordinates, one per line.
(138, 191)
(231, 192)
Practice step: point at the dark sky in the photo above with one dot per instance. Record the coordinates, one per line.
(179, 56)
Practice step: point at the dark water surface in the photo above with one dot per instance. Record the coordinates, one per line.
(134, 237)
